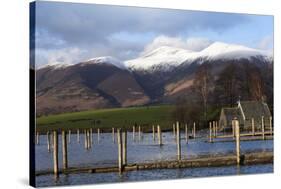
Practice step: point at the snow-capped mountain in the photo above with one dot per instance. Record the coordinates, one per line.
(219, 50)
(55, 65)
(105, 60)
(159, 76)
(166, 58)
(162, 58)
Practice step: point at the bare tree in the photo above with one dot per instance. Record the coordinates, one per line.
(256, 86)
(203, 84)
(228, 85)
(186, 111)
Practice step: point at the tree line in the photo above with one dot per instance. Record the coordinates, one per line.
(222, 84)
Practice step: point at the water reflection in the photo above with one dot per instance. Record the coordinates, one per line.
(104, 153)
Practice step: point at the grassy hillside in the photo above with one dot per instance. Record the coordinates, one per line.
(107, 118)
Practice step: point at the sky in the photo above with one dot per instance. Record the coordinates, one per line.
(72, 32)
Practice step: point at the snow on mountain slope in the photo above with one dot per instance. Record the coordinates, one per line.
(220, 50)
(98, 60)
(105, 60)
(165, 57)
(55, 65)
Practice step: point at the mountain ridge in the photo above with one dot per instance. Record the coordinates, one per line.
(105, 82)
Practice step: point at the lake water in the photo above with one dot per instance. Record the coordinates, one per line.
(105, 153)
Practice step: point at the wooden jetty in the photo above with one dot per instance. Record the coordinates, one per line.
(212, 161)
(239, 158)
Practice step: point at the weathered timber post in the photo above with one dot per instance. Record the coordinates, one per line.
(120, 154)
(233, 128)
(98, 135)
(216, 128)
(159, 135)
(139, 133)
(237, 134)
(178, 142)
(270, 125)
(37, 137)
(91, 137)
(64, 150)
(85, 139)
(186, 133)
(124, 147)
(113, 135)
(262, 127)
(210, 130)
(55, 154)
(48, 140)
(174, 131)
(253, 126)
(194, 129)
(153, 132)
(69, 134)
(134, 130)
(78, 136)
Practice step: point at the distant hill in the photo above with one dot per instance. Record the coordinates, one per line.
(160, 76)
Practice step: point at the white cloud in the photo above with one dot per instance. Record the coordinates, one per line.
(194, 44)
(197, 44)
(64, 55)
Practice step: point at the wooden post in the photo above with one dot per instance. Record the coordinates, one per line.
(78, 136)
(91, 137)
(178, 142)
(69, 134)
(233, 128)
(139, 133)
(64, 150)
(186, 133)
(55, 154)
(216, 128)
(270, 125)
(159, 135)
(210, 130)
(85, 139)
(37, 137)
(98, 135)
(134, 130)
(120, 154)
(113, 135)
(48, 141)
(194, 130)
(262, 127)
(237, 134)
(253, 126)
(124, 147)
(153, 132)
(174, 131)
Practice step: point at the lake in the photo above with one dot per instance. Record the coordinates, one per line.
(105, 153)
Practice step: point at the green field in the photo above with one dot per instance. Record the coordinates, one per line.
(105, 119)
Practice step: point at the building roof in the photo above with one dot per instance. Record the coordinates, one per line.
(231, 113)
(255, 109)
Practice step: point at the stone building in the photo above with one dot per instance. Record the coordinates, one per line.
(245, 111)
